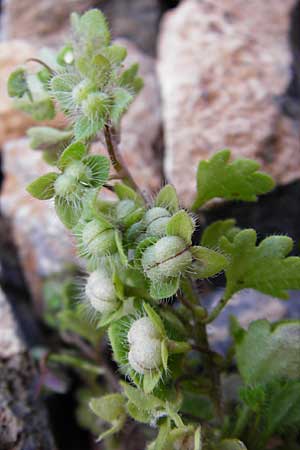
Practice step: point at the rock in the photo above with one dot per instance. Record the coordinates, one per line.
(45, 21)
(14, 123)
(23, 419)
(136, 20)
(221, 66)
(141, 125)
(247, 305)
(44, 245)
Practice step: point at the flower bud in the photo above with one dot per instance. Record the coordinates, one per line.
(145, 346)
(78, 170)
(168, 258)
(96, 105)
(81, 91)
(156, 220)
(100, 291)
(65, 185)
(97, 239)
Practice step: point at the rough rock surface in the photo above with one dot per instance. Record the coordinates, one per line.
(136, 20)
(141, 125)
(43, 244)
(221, 66)
(23, 420)
(14, 123)
(247, 305)
(44, 21)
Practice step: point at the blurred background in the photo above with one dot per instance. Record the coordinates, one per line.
(218, 74)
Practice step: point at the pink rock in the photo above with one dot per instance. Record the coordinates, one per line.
(221, 64)
(43, 243)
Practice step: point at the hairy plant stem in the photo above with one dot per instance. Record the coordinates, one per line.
(118, 164)
(202, 343)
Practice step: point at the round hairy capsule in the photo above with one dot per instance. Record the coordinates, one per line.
(96, 105)
(100, 291)
(156, 220)
(169, 257)
(78, 170)
(140, 330)
(81, 91)
(145, 356)
(65, 185)
(97, 239)
(124, 209)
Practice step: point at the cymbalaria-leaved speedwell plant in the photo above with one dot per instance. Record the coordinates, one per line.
(144, 264)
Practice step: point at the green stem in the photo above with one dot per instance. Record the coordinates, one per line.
(117, 162)
(217, 310)
(241, 422)
(202, 343)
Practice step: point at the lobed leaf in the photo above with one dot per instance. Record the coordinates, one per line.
(238, 180)
(264, 267)
(265, 354)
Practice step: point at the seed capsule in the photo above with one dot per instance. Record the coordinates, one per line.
(97, 239)
(100, 291)
(79, 171)
(168, 258)
(145, 346)
(156, 220)
(81, 91)
(141, 329)
(65, 185)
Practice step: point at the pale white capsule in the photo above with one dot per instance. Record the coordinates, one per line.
(140, 330)
(145, 356)
(100, 291)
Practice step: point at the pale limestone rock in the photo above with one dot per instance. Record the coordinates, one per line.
(221, 66)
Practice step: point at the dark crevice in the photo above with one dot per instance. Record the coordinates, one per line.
(165, 5)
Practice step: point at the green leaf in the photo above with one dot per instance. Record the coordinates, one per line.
(122, 99)
(121, 251)
(264, 267)
(108, 407)
(85, 128)
(238, 180)
(39, 110)
(118, 343)
(167, 198)
(91, 28)
(164, 355)
(61, 87)
(163, 435)
(115, 53)
(151, 380)
(207, 262)
(146, 402)
(68, 213)
(74, 152)
(129, 75)
(155, 319)
(140, 415)
(264, 354)
(17, 84)
(47, 138)
(164, 289)
(43, 187)
(77, 363)
(282, 412)
(212, 234)
(231, 444)
(100, 167)
(125, 192)
(182, 225)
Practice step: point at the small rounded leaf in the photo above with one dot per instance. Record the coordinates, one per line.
(43, 187)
